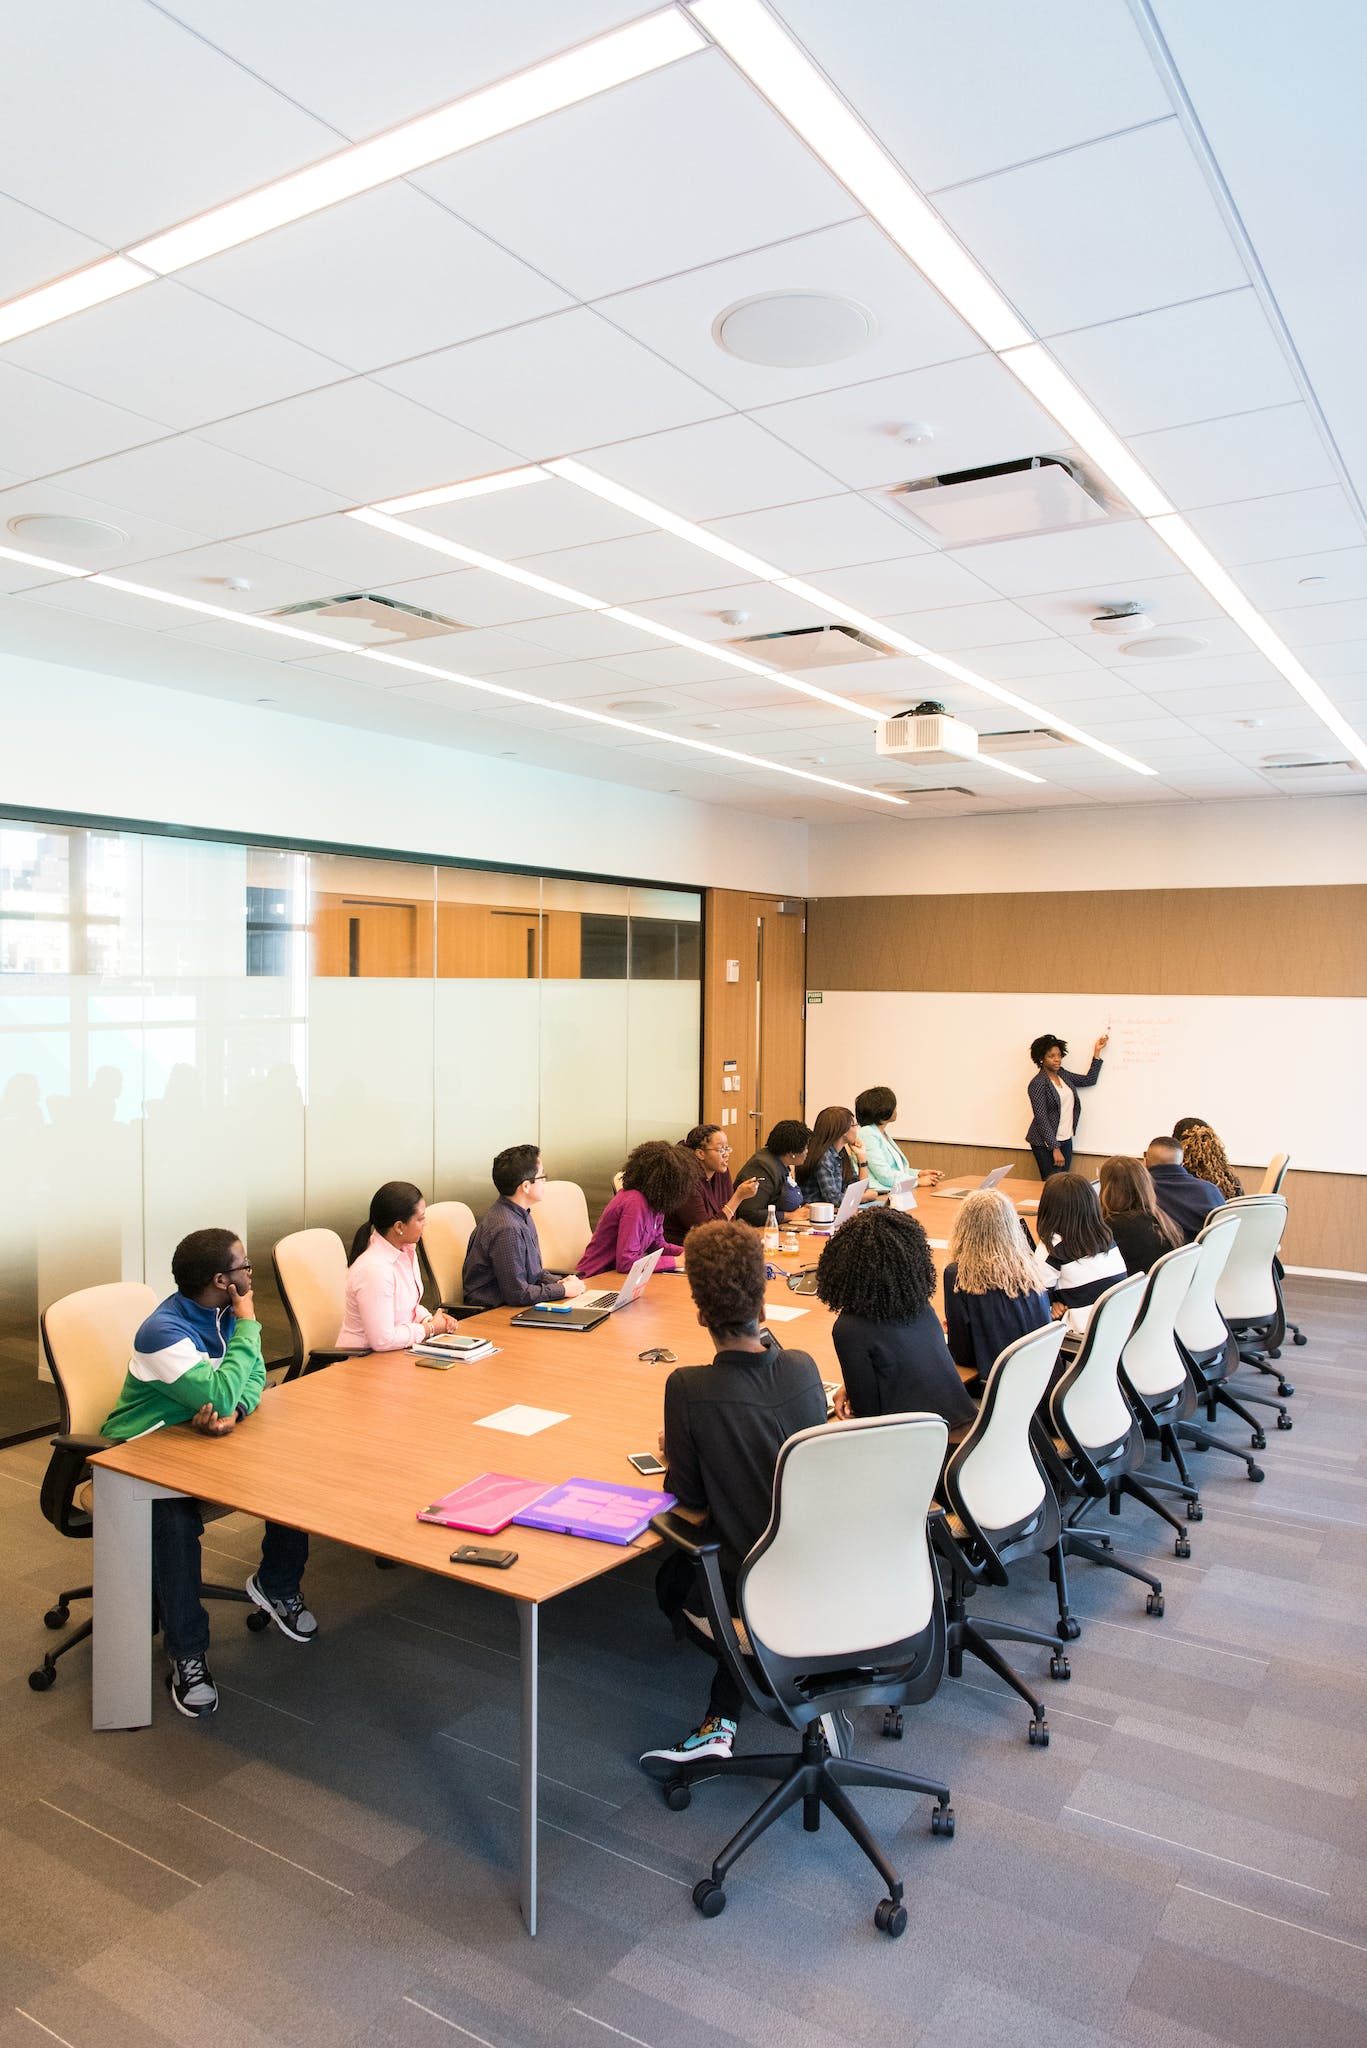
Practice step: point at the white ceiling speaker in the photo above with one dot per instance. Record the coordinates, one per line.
(794, 330)
(642, 707)
(1121, 621)
(65, 530)
(1164, 646)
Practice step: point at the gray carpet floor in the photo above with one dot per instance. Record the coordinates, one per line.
(330, 1861)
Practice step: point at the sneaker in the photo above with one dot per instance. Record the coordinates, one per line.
(290, 1615)
(191, 1686)
(713, 1739)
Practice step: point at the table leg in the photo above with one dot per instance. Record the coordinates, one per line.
(528, 1616)
(121, 1668)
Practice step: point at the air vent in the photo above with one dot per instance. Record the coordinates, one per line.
(1040, 494)
(815, 647)
(371, 620)
(920, 795)
(1030, 741)
(1275, 765)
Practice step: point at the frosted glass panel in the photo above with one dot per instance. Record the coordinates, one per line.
(662, 1059)
(488, 1082)
(583, 1083)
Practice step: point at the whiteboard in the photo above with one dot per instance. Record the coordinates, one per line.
(1273, 1073)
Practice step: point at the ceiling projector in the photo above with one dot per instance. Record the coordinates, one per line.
(926, 737)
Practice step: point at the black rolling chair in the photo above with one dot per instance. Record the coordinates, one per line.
(840, 1606)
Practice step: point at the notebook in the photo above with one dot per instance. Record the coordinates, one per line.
(450, 1347)
(586, 1311)
(596, 1508)
(484, 1505)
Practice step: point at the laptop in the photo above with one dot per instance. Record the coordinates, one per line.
(990, 1180)
(586, 1311)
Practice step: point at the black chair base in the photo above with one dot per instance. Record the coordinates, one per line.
(1080, 1542)
(45, 1676)
(817, 1779)
(975, 1639)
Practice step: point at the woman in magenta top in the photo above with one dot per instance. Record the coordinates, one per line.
(657, 1179)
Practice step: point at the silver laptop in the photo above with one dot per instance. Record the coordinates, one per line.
(989, 1180)
(586, 1311)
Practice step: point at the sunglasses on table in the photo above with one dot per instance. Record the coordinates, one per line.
(656, 1357)
(803, 1281)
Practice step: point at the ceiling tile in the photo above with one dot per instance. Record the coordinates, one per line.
(531, 519)
(200, 572)
(1114, 552)
(361, 441)
(767, 609)
(172, 356)
(1168, 600)
(915, 328)
(579, 636)
(634, 569)
(1293, 523)
(977, 411)
(34, 248)
(189, 481)
(350, 555)
(1314, 625)
(473, 596)
(384, 276)
(45, 428)
(955, 91)
(970, 625)
(821, 533)
(94, 601)
(1118, 227)
(1194, 362)
(144, 537)
(1023, 661)
(554, 387)
(593, 195)
(902, 588)
(83, 88)
(719, 467)
(1307, 579)
(1251, 455)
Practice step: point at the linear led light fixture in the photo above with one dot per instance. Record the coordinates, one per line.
(477, 487)
(66, 295)
(1190, 549)
(1059, 395)
(42, 562)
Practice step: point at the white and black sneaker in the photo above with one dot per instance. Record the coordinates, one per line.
(191, 1686)
(290, 1615)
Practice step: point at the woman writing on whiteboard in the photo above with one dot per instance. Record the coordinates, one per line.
(1054, 1107)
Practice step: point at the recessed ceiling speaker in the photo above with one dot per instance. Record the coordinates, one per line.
(65, 530)
(794, 330)
(1164, 646)
(642, 707)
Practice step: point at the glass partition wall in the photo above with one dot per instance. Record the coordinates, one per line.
(197, 1032)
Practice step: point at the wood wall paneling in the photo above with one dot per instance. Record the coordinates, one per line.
(728, 1031)
(734, 1013)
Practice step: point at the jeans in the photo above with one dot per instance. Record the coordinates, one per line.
(1044, 1158)
(177, 1526)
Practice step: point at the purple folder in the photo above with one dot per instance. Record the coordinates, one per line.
(597, 1508)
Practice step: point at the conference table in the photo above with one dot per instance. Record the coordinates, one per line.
(352, 1452)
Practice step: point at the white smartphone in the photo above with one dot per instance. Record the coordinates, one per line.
(646, 1463)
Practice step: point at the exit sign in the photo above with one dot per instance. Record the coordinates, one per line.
(814, 995)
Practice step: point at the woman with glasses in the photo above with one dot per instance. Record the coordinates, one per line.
(878, 1273)
(384, 1310)
(657, 1177)
(714, 1196)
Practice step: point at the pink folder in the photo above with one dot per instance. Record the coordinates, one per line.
(484, 1505)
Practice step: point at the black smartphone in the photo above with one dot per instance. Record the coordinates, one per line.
(646, 1463)
(472, 1553)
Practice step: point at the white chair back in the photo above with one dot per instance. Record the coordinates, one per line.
(845, 1563)
(310, 1271)
(1153, 1365)
(1200, 1326)
(1276, 1174)
(1090, 1401)
(1247, 1289)
(88, 1337)
(562, 1225)
(446, 1235)
(996, 1474)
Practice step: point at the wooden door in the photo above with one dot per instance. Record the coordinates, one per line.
(780, 1011)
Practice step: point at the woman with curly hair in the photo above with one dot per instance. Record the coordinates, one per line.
(992, 1295)
(878, 1273)
(657, 1178)
(1204, 1155)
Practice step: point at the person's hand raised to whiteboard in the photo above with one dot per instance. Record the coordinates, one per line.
(1101, 1045)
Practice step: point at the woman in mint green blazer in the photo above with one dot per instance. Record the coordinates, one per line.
(874, 1110)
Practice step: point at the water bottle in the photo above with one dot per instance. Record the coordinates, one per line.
(771, 1229)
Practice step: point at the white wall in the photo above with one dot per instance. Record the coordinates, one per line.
(75, 741)
(1310, 840)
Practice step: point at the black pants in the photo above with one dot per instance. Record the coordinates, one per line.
(177, 1526)
(1044, 1158)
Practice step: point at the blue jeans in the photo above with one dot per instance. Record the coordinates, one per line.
(1044, 1158)
(177, 1526)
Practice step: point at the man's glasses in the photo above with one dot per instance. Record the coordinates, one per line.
(243, 1268)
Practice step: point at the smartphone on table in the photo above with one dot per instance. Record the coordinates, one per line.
(646, 1463)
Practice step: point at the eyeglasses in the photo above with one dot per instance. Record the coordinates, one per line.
(657, 1357)
(243, 1268)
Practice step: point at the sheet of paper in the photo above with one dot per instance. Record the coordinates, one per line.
(519, 1420)
(938, 1244)
(779, 1312)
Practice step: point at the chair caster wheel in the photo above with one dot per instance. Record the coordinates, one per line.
(1069, 1629)
(1039, 1734)
(1154, 1606)
(1258, 1440)
(942, 1821)
(890, 1917)
(1181, 1548)
(1300, 1338)
(678, 1796)
(256, 1621)
(1256, 1473)
(709, 1898)
(892, 1723)
(1285, 1422)
(1195, 1512)
(44, 1680)
(57, 1617)
(1059, 1667)
(1270, 1353)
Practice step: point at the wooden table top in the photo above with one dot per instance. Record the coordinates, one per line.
(352, 1452)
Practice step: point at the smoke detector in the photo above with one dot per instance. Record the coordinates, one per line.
(1121, 621)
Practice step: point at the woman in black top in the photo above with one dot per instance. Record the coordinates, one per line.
(992, 1294)
(1142, 1230)
(878, 1272)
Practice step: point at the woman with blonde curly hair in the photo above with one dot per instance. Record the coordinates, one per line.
(1204, 1155)
(992, 1294)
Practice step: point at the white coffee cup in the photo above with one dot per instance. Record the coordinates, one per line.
(821, 1212)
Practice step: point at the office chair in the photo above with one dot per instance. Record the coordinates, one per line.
(1273, 1181)
(1002, 1509)
(1155, 1377)
(1249, 1292)
(1206, 1345)
(1096, 1446)
(562, 1225)
(87, 1339)
(442, 1247)
(310, 1272)
(841, 1607)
